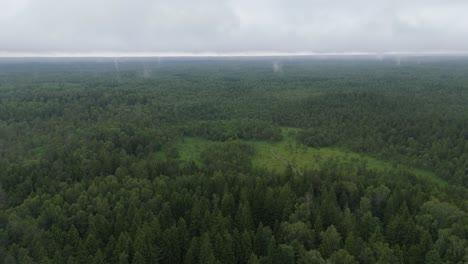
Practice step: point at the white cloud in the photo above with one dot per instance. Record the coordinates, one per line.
(238, 26)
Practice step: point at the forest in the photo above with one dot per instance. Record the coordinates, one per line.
(265, 160)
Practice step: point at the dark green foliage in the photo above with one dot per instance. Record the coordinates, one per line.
(420, 130)
(90, 169)
(248, 129)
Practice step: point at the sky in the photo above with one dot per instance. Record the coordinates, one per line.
(220, 27)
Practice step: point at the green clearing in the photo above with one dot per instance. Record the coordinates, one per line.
(304, 157)
(298, 155)
(190, 149)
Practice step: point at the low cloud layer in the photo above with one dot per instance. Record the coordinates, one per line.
(232, 26)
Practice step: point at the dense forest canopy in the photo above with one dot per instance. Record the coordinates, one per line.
(234, 160)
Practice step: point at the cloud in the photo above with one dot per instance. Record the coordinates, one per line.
(232, 26)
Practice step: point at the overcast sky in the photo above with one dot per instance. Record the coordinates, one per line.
(232, 26)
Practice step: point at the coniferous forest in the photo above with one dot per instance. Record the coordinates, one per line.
(234, 160)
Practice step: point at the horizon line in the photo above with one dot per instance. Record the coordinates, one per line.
(217, 54)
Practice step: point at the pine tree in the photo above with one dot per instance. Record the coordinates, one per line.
(342, 257)
(123, 258)
(91, 245)
(246, 246)
(228, 251)
(99, 258)
(311, 257)
(191, 256)
(353, 244)
(138, 258)
(228, 204)
(284, 254)
(74, 238)
(253, 259)
(348, 222)
(244, 217)
(183, 236)
(195, 218)
(206, 252)
(261, 240)
(123, 245)
(330, 242)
